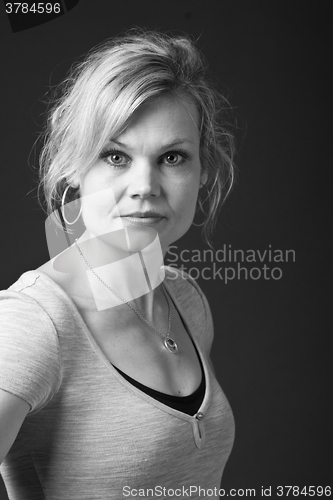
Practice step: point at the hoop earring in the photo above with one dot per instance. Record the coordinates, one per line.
(201, 209)
(63, 209)
(197, 225)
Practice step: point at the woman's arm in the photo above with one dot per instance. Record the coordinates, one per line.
(13, 411)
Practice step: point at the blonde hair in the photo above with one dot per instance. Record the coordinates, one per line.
(100, 95)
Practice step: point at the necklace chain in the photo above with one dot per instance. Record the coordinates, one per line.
(169, 343)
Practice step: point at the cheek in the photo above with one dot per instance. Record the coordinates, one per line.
(99, 201)
(186, 202)
(97, 209)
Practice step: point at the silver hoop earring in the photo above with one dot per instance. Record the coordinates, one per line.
(197, 225)
(201, 208)
(63, 209)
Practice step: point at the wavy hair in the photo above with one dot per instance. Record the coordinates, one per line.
(102, 92)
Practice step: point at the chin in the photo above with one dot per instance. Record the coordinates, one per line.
(141, 239)
(130, 239)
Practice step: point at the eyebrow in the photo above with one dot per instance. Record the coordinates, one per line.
(164, 146)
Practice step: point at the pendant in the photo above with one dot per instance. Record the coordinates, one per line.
(171, 345)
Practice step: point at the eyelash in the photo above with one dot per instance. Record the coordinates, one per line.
(108, 152)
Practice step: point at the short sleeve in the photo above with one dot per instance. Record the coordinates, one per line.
(30, 364)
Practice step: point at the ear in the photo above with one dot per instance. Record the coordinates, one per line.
(203, 177)
(76, 182)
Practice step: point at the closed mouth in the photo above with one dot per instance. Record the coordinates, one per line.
(144, 215)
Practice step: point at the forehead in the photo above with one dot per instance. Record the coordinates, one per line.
(164, 119)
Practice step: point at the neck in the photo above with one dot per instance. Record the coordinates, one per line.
(116, 276)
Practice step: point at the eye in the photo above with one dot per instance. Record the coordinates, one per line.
(117, 158)
(172, 158)
(175, 158)
(114, 157)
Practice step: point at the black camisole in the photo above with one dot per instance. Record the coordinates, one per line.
(186, 404)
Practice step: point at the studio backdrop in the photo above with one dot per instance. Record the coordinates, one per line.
(266, 278)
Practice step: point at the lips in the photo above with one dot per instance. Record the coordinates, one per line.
(144, 215)
(148, 218)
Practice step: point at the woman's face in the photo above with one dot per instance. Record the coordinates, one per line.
(148, 177)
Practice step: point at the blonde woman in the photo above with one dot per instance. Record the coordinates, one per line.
(106, 387)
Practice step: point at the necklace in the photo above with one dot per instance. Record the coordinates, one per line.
(168, 342)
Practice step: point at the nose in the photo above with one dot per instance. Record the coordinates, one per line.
(144, 180)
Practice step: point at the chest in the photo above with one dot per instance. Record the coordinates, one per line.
(136, 349)
(139, 351)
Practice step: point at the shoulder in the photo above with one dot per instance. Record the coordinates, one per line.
(36, 290)
(20, 301)
(183, 282)
(30, 362)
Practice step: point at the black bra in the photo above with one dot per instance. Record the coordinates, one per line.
(186, 404)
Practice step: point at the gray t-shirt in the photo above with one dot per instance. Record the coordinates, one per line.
(90, 434)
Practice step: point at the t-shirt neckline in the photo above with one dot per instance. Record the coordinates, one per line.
(206, 400)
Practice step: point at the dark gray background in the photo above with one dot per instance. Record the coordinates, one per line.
(272, 347)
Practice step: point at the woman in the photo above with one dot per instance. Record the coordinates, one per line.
(106, 389)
